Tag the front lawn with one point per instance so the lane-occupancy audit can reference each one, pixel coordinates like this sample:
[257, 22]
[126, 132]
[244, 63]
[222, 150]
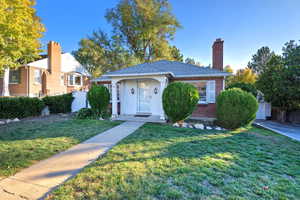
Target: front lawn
[24, 143]
[162, 162]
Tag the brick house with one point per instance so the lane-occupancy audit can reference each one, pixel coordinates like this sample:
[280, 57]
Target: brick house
[53, 74]
[137, 90]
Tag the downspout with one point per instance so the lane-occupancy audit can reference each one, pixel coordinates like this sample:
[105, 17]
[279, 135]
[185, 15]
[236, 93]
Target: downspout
[28, 81]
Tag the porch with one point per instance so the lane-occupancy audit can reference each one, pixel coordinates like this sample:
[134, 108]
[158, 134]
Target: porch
[138, 98]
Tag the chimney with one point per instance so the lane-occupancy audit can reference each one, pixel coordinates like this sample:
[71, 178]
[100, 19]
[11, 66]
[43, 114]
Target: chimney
[217, 54]
[54, 57]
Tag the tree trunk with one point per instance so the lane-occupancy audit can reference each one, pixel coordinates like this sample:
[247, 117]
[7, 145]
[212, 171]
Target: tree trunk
[281, 116]
[5, 89]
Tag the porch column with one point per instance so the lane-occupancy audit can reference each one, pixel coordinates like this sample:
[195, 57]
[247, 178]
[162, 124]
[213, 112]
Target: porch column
[163, 85]
[114, 100]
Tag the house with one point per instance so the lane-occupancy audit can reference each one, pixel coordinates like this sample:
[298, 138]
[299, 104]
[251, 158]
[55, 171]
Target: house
[138, 90]
[53, 74]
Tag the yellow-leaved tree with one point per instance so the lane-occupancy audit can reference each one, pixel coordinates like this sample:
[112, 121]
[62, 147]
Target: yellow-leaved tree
[244, 75]
[20, 31]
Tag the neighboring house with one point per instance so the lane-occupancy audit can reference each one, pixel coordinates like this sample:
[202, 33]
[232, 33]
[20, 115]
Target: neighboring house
[137, 90]
[53, 74]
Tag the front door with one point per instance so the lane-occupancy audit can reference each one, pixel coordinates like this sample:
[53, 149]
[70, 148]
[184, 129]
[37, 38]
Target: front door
[144, 97]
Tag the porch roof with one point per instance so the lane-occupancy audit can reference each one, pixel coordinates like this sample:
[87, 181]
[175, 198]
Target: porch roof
[164, 67]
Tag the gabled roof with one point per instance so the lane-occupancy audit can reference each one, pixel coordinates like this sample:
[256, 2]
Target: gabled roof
[68, 64]
[175, 69]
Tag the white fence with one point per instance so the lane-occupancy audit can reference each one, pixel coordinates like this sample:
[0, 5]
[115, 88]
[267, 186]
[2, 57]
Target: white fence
[80, 101]
[264, 110]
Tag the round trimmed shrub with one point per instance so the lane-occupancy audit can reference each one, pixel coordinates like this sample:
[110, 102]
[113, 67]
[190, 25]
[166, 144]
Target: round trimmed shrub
[235, 108]
[244, 86]
[179, 100]
[98, 97]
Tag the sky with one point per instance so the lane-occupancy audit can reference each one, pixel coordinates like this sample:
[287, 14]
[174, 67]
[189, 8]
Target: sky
[244, 25]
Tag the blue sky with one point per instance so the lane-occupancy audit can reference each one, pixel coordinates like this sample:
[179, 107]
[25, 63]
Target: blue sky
[245, 25]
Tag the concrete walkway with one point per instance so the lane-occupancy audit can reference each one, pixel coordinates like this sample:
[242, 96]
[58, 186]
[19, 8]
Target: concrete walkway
[289, 130]
[36, 181]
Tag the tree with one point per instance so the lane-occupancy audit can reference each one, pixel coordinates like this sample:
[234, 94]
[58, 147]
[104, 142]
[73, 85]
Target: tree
[100, 53]
[228, 69]
[190, 61]
[146, 26]
[245, 76]
[280, 85]
[20, 30]
[228, 79]
[291, 53]
[176, 54]
[259, 60]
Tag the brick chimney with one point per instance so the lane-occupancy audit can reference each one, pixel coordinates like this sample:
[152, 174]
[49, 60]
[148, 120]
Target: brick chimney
[54, 57]
[217, 54]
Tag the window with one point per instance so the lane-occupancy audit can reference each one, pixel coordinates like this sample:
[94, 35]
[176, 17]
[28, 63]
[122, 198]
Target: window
[38, 76]
[202, 88]
[14, 76]
[75, 80]
[62, 79]
[110, 90]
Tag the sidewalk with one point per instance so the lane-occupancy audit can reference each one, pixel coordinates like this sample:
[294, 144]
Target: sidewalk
[36, 181]
[288, 130]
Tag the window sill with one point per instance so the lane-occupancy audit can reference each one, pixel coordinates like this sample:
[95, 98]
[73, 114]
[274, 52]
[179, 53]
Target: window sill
[13, 83]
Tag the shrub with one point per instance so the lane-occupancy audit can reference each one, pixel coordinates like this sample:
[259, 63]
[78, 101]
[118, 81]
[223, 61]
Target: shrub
[20, 107]
[179, 100]
[98, 97]
[236, 108]
[244, 86]
[59, 103]
[86, 113]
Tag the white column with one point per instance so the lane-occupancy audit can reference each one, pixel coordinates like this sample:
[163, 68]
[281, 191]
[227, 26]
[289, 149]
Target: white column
[114, 100]
[5, 89]
[163, 85]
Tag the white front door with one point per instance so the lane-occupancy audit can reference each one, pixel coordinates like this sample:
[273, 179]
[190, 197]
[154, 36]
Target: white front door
[144, 97]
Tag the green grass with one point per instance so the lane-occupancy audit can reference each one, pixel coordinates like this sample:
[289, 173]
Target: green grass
[162, 162]
[22, 144]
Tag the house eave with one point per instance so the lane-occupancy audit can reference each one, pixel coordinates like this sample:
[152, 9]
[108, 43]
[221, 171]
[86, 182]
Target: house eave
[202, 75]
[139, 74]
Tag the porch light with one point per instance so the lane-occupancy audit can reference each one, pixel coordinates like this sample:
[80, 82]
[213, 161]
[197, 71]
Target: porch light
[132, 90]
[155, 90]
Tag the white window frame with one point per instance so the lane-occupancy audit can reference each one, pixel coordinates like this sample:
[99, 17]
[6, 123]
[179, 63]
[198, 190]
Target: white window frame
[37, 76]
[108, 86]
[74, 76]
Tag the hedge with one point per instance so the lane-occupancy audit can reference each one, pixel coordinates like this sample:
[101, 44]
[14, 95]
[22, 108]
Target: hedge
[59, 103]
[236, 108]
[179, 100]
[20, 107]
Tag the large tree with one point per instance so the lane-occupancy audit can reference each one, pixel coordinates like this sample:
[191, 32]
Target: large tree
[291, 53]
[260, 59]
[176, 54]
[280, 84]
[100, 53]
[20, 30]
[146, 26]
